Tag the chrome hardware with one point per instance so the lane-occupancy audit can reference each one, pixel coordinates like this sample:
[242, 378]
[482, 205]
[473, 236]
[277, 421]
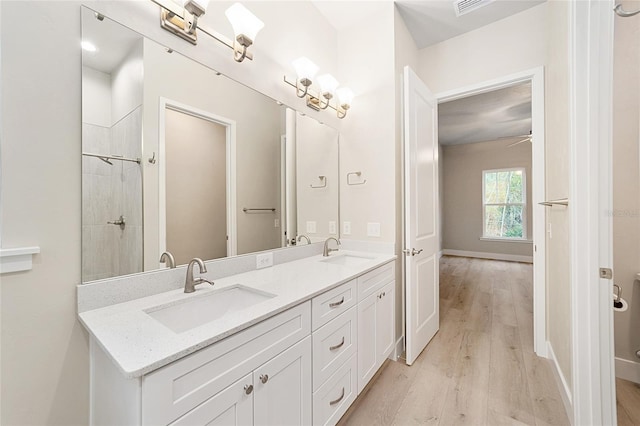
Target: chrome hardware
[266, 209]
[190, 283]
[120, 222]
[335, 401]
[327, 250]
[168, 258]
[384, 293]
[300, 237]
[336, 304]
[606, 273]
[264, 378]
[152, 160]
[412, 252]
[338, 346]
[248, 389]
[359, 175]
[323, 180]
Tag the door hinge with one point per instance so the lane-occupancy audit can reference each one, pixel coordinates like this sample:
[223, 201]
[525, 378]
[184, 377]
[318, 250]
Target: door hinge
[606, 273]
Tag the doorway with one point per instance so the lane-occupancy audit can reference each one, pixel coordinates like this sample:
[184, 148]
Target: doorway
[201, 144]
[534, 77]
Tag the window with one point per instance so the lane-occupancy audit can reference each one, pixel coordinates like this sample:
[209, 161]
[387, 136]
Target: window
[504, 203]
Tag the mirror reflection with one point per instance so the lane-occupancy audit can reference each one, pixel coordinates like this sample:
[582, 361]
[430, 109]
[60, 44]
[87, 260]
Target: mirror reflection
[178, 158]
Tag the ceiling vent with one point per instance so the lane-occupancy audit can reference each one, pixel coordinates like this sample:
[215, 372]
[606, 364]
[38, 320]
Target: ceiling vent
[462, 7]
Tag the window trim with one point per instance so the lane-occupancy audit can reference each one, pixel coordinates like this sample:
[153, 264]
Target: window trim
[523, 204]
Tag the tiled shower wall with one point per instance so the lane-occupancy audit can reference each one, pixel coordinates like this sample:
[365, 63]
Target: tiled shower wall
[109, 191]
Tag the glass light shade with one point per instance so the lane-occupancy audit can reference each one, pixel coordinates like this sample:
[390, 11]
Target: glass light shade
[243, 21]
[88, 46]
[345, 96]
[328, 84]
[305, 68]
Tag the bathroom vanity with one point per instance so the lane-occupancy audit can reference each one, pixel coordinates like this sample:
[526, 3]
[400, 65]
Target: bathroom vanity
[296, 346]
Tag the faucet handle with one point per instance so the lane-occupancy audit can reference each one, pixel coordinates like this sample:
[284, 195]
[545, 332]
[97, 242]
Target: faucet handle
[201, 280]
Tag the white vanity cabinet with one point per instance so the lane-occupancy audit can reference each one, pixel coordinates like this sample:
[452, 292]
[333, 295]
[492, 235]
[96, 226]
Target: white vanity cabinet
[305, 365]
[376, 321]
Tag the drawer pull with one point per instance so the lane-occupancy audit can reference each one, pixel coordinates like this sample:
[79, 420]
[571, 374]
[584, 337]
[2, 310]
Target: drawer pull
[264, 378]
[336, 304]
[338, 346]
[335, 401]
[248, 389]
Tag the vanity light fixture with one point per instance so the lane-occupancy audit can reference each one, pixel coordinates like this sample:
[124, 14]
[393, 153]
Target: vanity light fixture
[181, 19]
[345, 99]
[328, 88]
[306, 72]
[185, 26]
[245, 27]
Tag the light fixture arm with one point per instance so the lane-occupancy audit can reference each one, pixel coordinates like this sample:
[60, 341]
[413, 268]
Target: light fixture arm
[302, 92]
[327, 96]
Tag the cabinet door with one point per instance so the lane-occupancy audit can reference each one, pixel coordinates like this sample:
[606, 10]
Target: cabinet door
[385, 323]
[283, 388]
[367, 324]
[232, 406]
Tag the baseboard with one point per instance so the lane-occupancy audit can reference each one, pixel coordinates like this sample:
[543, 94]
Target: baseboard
[565, 391]
[628, 370]
[399, 349]
[492, 256]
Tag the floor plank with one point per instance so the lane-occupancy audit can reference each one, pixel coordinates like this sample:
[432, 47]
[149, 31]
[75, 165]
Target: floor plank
[480, 367]
[628, 402]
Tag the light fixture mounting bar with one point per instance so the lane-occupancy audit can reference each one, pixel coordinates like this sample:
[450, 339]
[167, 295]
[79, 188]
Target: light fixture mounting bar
[174, 9]
[313, 101]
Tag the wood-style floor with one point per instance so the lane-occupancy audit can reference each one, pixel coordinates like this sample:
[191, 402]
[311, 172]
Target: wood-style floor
[480, 368]
[628, 402]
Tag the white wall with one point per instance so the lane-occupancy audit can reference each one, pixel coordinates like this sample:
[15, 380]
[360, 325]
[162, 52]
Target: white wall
[316, 155]
[462, 202]
[626, 182]
[96, 97]
[126, 83]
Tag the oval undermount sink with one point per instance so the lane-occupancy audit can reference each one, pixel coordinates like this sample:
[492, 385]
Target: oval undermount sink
[347, 259]
[196, 311]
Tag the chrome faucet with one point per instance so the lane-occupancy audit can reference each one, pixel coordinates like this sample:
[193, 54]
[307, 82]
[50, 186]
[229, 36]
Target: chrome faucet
[168, 259]
[301, 236]
[190, 283]
[328, 250]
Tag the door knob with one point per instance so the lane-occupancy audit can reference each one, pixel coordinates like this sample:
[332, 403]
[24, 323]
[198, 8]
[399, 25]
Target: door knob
[412, 252]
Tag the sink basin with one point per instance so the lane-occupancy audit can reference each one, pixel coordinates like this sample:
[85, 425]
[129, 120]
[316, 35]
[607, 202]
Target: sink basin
[194, 312]
[347, 259]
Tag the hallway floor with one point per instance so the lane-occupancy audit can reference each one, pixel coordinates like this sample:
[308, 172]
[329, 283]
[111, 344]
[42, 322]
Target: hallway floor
[480, 368]
[628, 402]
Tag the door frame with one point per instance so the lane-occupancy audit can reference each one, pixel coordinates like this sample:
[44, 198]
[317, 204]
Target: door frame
[591, 41]
[230, 126]
[536, 77]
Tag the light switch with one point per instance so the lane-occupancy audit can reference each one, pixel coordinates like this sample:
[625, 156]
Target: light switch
[332, 227]
[373, 229]
[311, 227]
[346, 228]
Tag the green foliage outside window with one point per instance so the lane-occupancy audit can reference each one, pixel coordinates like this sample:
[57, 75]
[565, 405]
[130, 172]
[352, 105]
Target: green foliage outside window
[504, 204]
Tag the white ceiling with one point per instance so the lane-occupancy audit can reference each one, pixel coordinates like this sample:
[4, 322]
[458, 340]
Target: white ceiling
[113, 41]
[503, 113]
[433, 21]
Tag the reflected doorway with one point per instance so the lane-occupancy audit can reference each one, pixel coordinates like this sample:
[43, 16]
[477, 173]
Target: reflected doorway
[197, 162]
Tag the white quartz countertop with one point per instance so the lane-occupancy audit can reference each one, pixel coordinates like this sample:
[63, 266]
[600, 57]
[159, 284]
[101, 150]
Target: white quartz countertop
[139, 344]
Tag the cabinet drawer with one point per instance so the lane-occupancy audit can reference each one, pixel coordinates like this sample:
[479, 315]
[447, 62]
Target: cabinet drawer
[333, 344]
[175, 389]
[332, 400]
[373, 280]
[329, 305]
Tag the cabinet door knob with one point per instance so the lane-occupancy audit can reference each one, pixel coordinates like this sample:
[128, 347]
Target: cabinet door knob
[264, 378]
[248, 389]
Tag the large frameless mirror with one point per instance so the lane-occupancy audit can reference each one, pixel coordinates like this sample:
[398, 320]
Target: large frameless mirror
[178, 158]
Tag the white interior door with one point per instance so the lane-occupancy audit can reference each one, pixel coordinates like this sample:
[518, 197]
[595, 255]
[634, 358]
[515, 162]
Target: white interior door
[421, 215]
